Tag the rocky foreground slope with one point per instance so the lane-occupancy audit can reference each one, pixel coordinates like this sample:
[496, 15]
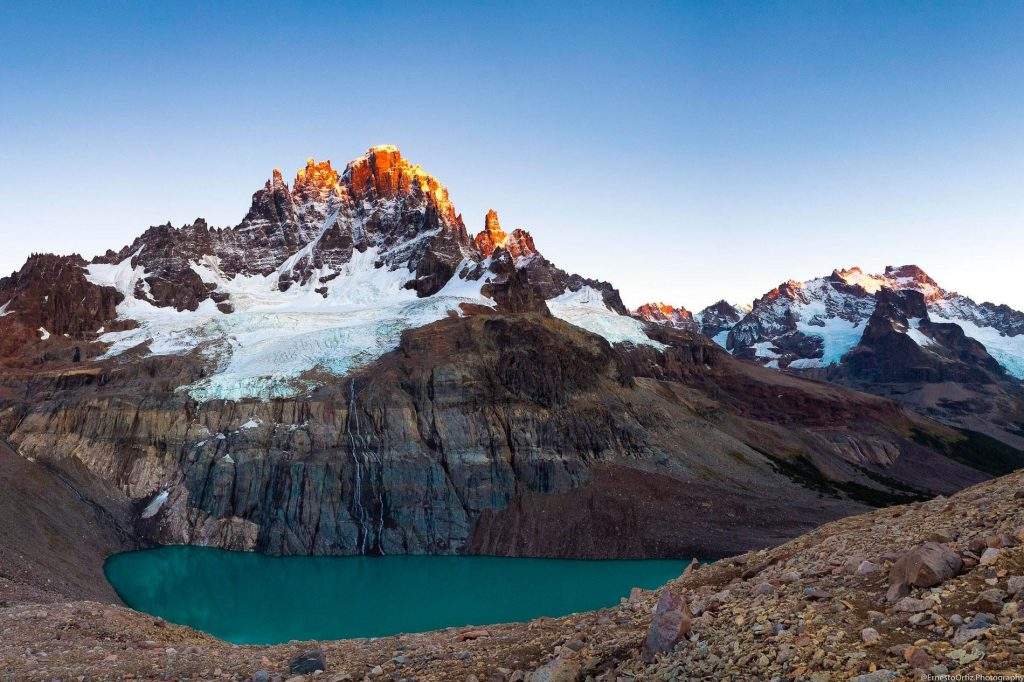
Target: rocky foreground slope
[922, 589]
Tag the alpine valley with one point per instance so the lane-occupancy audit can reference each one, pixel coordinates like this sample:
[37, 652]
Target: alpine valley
[352, 370]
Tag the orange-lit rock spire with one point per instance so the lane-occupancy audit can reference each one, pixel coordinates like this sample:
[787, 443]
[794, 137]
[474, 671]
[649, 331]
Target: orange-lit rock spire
[316, 181]
[382, 172]
[518, 244]
[662, 312]
[492, 236]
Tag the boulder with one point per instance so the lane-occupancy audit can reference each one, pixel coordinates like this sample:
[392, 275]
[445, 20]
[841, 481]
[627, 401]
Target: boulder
[308, 662]
[672, 621]
[928, 565]
[989, 556]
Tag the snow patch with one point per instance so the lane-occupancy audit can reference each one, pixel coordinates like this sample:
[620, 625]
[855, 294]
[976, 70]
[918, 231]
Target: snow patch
[43, 334]
[1008, 351]
[155, 504]
[838, 337]
[586, 308]
[251, 424]
[764, 349]
[273, 337]
[919, 337]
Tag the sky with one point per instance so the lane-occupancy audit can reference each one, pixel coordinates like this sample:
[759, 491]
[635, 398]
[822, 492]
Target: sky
[686, 151]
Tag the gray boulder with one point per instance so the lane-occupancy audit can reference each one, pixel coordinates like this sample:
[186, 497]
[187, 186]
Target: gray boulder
[925, 566]
[671, 623]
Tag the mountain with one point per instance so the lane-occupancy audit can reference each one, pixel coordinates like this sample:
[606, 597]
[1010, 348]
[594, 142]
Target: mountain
[898, 334]
[715, 321]
[349, 371]
[815, 323]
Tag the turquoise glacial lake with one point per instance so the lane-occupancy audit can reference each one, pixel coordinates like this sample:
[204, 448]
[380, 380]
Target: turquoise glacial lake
[249, 598]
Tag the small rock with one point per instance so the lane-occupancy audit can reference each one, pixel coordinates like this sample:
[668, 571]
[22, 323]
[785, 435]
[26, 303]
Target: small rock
[559, 669]
[308, 662]
[815, 594]
[877, 676]
[917, 657]
[869, 636]
[911, 605]
[261, 676]
[990, 600]
[790, 577]
[376, 670]
[764, 589]
[474, 634]
[989, 556]
[1015, 584]
[867, 568]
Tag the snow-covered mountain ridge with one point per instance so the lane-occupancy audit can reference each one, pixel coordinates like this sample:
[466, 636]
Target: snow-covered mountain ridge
[320, 276]
[818, 322]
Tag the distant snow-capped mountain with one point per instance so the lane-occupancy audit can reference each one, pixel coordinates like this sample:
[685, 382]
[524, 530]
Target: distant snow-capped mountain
[816, 323]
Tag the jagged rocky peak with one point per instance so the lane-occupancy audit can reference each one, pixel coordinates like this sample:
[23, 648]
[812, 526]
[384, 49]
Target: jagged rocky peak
[492, 236]
[664, 313]
[714, 321]
[913, 277]
[518, 243]
[790, 289]
[316, 182]
[383, 173]
[718, 318]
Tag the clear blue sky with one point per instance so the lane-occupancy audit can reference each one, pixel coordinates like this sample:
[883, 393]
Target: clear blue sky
[686, 151]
